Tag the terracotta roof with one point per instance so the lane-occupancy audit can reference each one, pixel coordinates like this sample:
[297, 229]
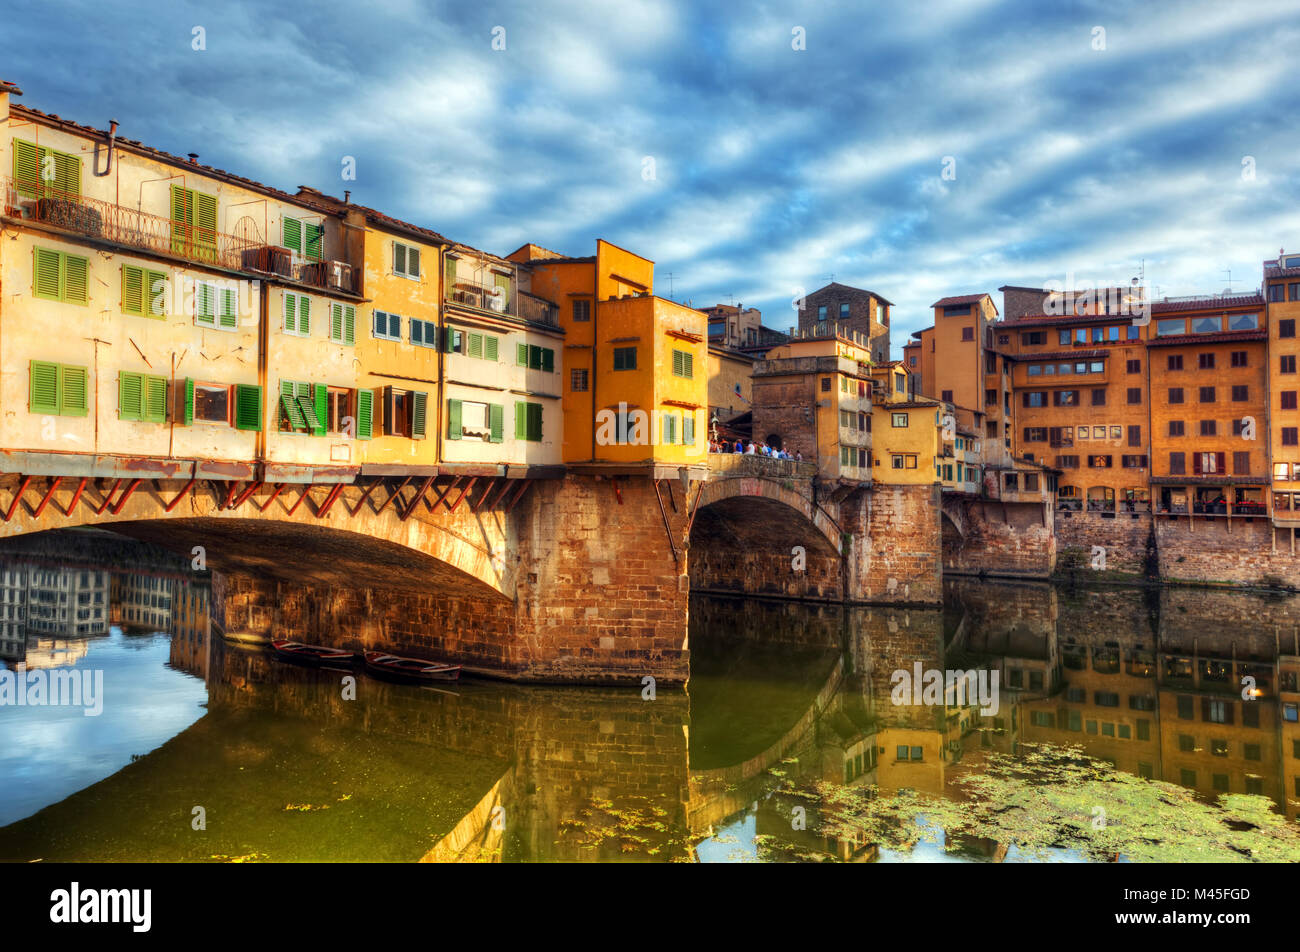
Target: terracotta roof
[848, 287]
[959, 299]
[1209, 302]
[1219, 338]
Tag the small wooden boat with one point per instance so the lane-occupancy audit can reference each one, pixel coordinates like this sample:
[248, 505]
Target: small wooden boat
[311, 654]
[246, 638]
[415, 669]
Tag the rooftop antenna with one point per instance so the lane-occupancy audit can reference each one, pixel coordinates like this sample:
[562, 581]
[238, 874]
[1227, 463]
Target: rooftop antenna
[670, 286]
[1228, 272]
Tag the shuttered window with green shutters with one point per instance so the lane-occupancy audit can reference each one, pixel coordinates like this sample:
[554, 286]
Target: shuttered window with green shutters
[475, 344]
[419, 414]
[144, 292]
[194, 223]
[248, 407]
[40, 171]
[490, 345]
[453, 420]
[297, 314]
[60, 389]
[683, 364]
[497, 422]
[205, 304]
[528, 421]
[449, 277]
[141, 397]
[688, 428]
[59, 276]
[302, 238]
[227, 314]
[298, 407]
[406, 260]
[343, 323]
[668, 428]
[521, 355]
[534, 357]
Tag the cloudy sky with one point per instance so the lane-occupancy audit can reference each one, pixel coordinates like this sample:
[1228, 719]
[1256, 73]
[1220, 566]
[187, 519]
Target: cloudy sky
[917, 149]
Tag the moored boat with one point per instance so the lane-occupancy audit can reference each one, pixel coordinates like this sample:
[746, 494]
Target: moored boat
[414, 669]
[311, 654]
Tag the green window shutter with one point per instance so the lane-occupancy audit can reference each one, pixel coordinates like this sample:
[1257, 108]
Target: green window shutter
[677, 363]
[349, 324]
[304, 315]
[227, 316]
[182, 216]
[155, 399]
[311, 422]
[688, 361]
[399, 257]
[248, 407]
[497, 422]
[534, 357]
[74, 391]
[289, 405]
[76, 279]
[205, 224]
[132, 290]
[688, 429]
[27, 167]
[314, 242]
[548, 359]
[413, 262]
[291, 234]
[155, 294]
[130, 396]
[535, 422]
[521, 355]
[67, 174]
[188, 417]
[450, 279]
[503, 285]
[475, 345]
[44, 387]
[490, 348]
[365, 414]
[521, 420]
[453, 419]
[321, 400]
[46, 274]
[670, 428]
[336, 321]
[419, 413]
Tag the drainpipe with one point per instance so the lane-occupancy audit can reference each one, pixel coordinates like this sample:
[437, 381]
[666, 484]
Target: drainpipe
[263, 343]
[442, 346]
[112, 143]
[595, 342]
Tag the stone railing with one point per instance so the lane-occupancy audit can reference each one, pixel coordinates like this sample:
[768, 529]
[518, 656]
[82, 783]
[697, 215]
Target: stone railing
[753, 464]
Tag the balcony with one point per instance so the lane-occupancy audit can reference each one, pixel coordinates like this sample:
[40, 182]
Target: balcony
[496, 300]
[120, 225]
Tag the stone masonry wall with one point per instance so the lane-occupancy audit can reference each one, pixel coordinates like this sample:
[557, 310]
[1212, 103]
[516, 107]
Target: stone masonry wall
[894, 555]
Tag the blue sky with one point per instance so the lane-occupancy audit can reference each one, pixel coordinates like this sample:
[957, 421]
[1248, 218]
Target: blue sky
[773, 168]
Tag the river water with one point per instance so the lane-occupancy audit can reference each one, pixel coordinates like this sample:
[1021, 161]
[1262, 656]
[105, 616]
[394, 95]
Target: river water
[1129, 724]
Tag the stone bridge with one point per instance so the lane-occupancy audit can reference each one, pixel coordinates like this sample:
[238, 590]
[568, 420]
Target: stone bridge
[518, 572]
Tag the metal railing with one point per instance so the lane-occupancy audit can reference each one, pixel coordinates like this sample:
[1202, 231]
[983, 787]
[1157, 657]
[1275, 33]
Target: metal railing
[95, 218]
[499, 301]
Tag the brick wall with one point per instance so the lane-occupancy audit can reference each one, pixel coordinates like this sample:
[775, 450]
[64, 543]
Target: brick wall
[894, 556]
[999, 539]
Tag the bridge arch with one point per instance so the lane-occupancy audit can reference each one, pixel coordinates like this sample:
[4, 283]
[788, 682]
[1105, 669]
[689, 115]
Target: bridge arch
[748, 499]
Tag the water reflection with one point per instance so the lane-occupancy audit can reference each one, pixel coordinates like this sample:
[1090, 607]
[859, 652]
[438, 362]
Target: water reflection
[297, 764]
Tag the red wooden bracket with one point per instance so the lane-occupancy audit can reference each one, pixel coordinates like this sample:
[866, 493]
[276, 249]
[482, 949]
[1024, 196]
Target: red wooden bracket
[461, 497]
[393, 495]
[76, 497]
[352, 511]
[49, 493]
[305, 493]
[126, 494]
[13, 506]
[243, 497]
[325, 507]
[279, 488]
[109, 498]
[415, 500]
[180, 495]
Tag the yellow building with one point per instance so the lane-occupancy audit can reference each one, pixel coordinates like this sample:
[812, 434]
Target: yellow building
[731, 376]
[636, 393]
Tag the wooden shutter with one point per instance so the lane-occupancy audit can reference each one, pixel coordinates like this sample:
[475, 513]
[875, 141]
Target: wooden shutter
[205, 224]
[304, 315]
[248, 407]
[76, 279]
[227, 317]
[46, 271]
[27, 167]
[1196, 464]
[182, 216]
[155, 294]
[688, 428]
[399, 257]
[688, 364]
[155, 399]
[450, 279]
[289, 406]
[496, 421]
[67, 174]
[548, 359]
[74, 393]
[387, 403]
[321, 399]
[521, 355]
[1219, 462]
[521, 420]
[132, 290]
[290, 312]
[291, 232]
[130, 396]
[187, 411]
[413, 262]
[535, 421]
[490, 348]
[336, 321]
[678, 363]
[350, 324]
[43, 391]
[534, 357]
[475, 345]
[365, 414]
[314, 243]
[453, 420]
[419, 413]
[503, 286]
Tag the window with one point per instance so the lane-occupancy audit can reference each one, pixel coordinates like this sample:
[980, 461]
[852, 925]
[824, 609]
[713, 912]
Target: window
[1099, 398]
[898, 419]
[1034, 398]
[248, 409]
[297, 314]
[473, 344]
[821, 312]
[1135, 435]
[338, 407]
[59, 389]
[968, 333]
[528, 421]
[844, 311]
[1289, 436]
[211, 402]
[1035, 434]
[304, 239]
[1207, 395]
[387, 326]
[625, 359]
[141, 397]
[683, 364]
[578, 379]
[194, 224]
[1133, 462]
[1243, 322]
[40, 170]
[1209, 428]
[299, 406]
[1065, 398]
[543, 358]
[1175, 362]
[425, 333]
[1241, 463]
[1208, 463]
[1240, 358]
[144, 292]
[59, 276]
[468, 420]
[406, 260]
[946, 396]
[1177, 464]
[581, 310]
[405, 412]
[1134, 366]
[1240, 393]
[1286, 328]
[343, 323]
[1288, 399]
[1027, 338]
[1286, 364]
[1205, 361]
[1206, 325]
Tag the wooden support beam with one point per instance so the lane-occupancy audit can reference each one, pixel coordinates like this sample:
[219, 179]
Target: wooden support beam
[352, 511]
[76, 497]
[279, 488]
[444, 494]
[464, 493]
[668, 530]
[305, 493]
[500, 493]
[107, 499]
[424, 488]
[243, 497]
[126, 494]
[323, 510]
[13, 506]
[518, 494]
[180, 495]
[45, 501]
[230, 495]
[393, 495]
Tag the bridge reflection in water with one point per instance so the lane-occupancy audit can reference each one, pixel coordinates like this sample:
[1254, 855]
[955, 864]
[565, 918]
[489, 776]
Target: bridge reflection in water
[286, 767]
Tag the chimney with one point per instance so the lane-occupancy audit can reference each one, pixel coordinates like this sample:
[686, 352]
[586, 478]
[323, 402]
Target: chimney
[7, 89]
[194, 158]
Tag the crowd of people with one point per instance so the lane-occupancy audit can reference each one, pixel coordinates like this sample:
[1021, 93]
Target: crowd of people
[750, 448]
